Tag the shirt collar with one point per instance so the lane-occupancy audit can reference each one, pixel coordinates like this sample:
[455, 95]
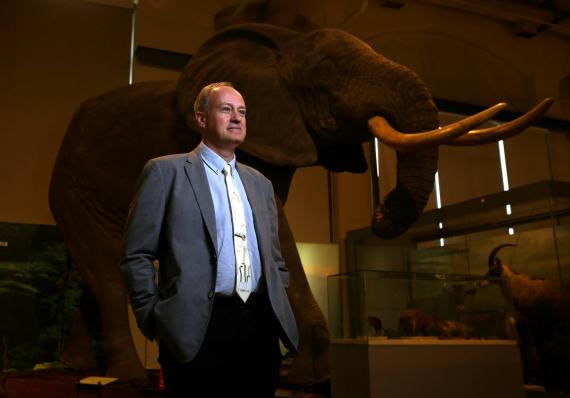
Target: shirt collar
[214, 161]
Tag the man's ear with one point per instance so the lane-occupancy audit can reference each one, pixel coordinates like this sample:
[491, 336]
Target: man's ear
[200, 119]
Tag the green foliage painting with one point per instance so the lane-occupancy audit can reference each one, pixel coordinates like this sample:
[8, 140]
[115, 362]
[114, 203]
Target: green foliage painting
[39, 295]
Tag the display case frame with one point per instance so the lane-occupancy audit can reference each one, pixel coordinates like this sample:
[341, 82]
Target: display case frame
[432, 362]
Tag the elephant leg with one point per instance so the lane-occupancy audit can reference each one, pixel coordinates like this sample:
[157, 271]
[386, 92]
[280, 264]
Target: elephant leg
[95, 246]
[77, 352]
[311, 364]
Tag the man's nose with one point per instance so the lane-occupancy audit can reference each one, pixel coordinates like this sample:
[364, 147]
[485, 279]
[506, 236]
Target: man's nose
[237, 116]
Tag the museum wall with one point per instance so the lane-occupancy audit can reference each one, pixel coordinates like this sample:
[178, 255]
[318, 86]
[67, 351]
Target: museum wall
[56, 53]
[57, 59]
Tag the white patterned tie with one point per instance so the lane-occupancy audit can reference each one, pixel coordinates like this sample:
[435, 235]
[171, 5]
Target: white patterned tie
[243, 265]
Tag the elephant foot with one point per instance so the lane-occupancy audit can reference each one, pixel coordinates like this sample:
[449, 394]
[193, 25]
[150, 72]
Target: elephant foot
[130, 371]
[77, 353]
[124, 363]
[311, 365]
[78, 358]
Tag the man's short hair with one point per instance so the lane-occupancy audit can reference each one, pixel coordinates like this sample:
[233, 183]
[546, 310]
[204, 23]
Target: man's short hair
[201, 103]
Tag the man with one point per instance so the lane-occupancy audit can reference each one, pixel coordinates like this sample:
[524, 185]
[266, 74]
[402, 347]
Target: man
[220, 306]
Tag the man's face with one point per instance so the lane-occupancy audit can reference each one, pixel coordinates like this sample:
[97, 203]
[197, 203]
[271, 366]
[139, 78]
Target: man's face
[224, 121]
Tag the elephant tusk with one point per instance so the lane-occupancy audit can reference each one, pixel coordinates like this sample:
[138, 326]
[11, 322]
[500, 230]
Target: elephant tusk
[502, 131]
[381, 129]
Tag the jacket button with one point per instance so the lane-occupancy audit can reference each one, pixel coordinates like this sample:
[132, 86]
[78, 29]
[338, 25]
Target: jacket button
[210, 294]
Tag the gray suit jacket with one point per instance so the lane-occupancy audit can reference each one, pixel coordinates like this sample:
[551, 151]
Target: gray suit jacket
[172, 219]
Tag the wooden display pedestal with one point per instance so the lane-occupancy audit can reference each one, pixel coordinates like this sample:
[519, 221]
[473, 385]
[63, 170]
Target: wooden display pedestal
[411, 368]
[62, 383]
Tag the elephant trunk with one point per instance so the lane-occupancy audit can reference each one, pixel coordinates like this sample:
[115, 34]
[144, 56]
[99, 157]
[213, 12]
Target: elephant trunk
[417, 161]
[415, 172]
[418, 155]
[403, 205]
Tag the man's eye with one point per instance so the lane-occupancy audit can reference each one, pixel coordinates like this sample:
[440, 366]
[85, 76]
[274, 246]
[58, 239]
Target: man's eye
[242, 112]
[226, 109]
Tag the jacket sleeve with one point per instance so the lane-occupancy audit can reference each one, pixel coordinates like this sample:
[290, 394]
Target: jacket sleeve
[275, 245]
[141, 245]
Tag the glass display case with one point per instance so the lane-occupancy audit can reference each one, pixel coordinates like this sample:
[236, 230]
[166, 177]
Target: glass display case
[412, 305]
[409, 334]
[458, 239]
[427, 284]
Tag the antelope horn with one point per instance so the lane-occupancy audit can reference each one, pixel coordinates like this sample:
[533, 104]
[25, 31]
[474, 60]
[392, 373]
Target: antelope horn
[502, 131]
[492, 256]
[381, 129]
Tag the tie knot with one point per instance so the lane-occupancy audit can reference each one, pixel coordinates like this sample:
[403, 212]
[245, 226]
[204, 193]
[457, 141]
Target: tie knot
[227, 170]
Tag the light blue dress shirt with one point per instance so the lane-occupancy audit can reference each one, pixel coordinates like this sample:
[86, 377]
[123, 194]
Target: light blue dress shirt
[226, 271]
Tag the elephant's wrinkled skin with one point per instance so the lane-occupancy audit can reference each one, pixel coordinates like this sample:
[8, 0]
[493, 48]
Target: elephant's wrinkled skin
[309, 98]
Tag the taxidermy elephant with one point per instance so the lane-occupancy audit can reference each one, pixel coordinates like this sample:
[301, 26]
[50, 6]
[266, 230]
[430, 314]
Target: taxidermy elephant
[312, 100]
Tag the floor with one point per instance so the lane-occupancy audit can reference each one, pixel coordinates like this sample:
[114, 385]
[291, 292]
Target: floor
[58, 383]
[63, 384]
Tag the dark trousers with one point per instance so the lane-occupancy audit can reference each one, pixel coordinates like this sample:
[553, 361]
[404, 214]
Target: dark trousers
[239, 357]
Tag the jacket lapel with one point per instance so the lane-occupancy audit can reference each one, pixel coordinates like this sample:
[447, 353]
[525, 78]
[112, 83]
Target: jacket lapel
[197, 175]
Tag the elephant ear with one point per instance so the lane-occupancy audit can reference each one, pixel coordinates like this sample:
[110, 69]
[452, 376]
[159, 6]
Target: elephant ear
[250, 57]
